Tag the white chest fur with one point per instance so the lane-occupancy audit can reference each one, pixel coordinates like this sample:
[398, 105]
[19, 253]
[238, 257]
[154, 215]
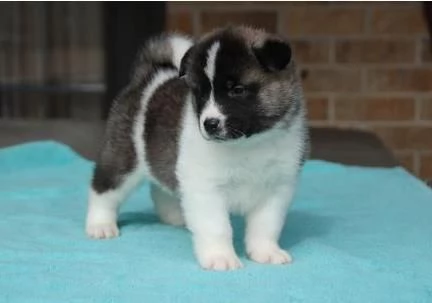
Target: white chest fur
[243, 173]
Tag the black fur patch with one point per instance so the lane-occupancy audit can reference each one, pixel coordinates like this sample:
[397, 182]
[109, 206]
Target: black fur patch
[117, 156]
[162, 129]
[192, 70]
[273, 55]
[184, 62]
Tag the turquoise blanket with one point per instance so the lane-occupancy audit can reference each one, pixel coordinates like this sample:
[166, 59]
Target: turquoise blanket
[356, 235]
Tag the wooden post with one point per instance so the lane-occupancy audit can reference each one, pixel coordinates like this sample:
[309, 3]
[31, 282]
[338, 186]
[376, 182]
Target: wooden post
[127, 25]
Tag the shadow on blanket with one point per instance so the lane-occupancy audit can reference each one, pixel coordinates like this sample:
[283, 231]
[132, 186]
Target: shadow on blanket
[299, 227]
[137, 218]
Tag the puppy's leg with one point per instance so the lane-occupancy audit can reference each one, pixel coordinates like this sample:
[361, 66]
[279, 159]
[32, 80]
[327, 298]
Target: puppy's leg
[208, 219]
[110, 187]
[264, 225]
[167, 207]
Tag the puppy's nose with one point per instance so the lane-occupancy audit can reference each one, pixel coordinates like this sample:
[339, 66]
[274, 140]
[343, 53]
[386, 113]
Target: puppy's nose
[212, 125]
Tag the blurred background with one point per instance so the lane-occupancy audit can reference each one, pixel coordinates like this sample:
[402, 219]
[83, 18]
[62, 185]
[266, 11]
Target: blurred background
[366, 65]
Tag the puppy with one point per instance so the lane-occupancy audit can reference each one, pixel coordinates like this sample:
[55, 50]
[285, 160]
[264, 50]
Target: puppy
[217, 127]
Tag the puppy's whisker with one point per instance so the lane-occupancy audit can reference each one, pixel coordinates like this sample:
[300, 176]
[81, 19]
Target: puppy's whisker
[236, 131]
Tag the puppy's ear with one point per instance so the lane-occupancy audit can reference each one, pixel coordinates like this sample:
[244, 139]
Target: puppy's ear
[273, 55]
[184, 62]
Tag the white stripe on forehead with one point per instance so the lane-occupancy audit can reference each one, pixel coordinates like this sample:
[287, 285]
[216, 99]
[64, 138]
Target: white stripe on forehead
[211, 61]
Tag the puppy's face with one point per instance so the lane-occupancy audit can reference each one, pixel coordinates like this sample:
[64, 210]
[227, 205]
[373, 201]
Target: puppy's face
[242, 81]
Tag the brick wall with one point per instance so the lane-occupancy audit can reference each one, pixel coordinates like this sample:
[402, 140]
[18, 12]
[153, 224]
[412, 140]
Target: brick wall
[369, 65]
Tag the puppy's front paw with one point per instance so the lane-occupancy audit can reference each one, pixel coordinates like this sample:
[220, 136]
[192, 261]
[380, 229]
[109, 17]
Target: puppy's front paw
[217, 257]
[102, 230]
[269, 254]
[220, 261]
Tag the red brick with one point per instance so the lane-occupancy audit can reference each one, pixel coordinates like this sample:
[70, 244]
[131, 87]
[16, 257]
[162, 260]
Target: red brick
[230, 5]
[406, 137]
[374, 108]
[426, 50]
[426, 166]
[375, 51]
[397, 19]
[323, 20]
[181, 22]
[317, 108]
[400, 79]
[426, 109]
[332, 80]
[214, 19]
[310, 51]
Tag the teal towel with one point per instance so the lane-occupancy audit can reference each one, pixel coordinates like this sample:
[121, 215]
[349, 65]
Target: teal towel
[356, 235]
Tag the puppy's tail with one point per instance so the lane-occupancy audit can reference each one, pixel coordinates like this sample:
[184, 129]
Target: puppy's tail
[166, 50]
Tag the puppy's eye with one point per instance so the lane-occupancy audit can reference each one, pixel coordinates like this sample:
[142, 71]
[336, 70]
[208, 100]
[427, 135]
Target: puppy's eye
[237, 91]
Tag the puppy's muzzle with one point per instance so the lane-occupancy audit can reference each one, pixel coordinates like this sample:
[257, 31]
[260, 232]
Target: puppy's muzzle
[213, 127]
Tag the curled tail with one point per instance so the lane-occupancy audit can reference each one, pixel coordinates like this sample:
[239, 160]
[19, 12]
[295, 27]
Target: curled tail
[165, 50]
[179, 45]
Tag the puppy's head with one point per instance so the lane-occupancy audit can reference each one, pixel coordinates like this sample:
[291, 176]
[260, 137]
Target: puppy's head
[243, 82]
